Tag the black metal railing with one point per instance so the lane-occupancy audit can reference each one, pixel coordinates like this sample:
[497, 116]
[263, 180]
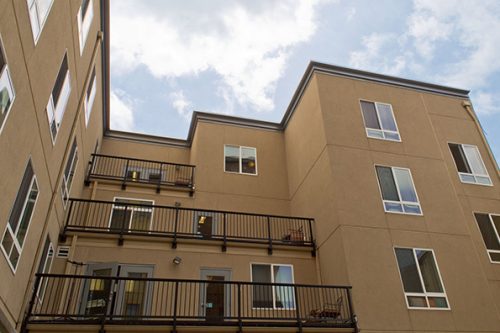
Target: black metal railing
[80, 299]
[137, 171]
[126, 217]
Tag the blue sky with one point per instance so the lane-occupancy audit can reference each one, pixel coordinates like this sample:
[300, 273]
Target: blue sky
[245, 58]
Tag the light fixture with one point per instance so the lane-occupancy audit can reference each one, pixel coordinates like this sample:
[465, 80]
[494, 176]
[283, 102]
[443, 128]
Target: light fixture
[177, 260]
[177, 204]
[202, 219]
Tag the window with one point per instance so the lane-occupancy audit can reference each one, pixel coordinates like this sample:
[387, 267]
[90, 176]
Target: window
[240, 159]
[59, 98]
[84, 19]
[89, 97]
[379, 121]
[44, 266]
[20, 217]
[7, 93]
[398, 191]
[267, 295]
[131, 215]
[421, 279]
[489, 225]
[469, 163]
[69, 173]
[38, 10]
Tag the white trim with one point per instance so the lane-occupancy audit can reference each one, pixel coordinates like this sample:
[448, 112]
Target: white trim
[84, 22]
[6, 71]
[39, 23]
[497, 233]
[65, 190]
[381, 130]
[401, 202]
[240, 170]
[472, 174]
[425, 294]
[132, 209]
[272, 281]
[13, 235]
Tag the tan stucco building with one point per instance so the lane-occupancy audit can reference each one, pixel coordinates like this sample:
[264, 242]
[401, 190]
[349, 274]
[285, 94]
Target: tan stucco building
[373, 206]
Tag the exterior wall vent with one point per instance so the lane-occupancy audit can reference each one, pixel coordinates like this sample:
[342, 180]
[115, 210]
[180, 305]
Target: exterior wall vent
[63, 252]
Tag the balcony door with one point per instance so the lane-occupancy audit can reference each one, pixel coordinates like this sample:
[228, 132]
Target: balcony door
[215, 296]
[205, 224]
[123, 298]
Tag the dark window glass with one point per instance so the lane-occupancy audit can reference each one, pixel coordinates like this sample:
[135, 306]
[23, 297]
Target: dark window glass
[56, 92]
[91, 83]
[387, 184]
[408, 270]
[429, 271]
[487, 231]
[262, 294]
[85, 5]
[248, 164]
[370, 115]
[232, 158]
[69, 163]
[2, 59]
[17, 209]
[459, 157]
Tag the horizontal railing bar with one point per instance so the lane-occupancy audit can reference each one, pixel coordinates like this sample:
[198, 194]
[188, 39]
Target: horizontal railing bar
[203, 210]
[143, 160]
[114, 278]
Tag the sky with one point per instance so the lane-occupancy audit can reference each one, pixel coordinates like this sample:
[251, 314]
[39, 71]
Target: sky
[246, 58]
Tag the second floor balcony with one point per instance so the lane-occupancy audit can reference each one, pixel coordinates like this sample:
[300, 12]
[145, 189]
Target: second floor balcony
[126, 171]
[150, 303]
[126, 218]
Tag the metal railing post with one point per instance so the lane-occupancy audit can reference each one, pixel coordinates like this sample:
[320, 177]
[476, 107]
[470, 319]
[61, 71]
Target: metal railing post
[297, 308]
[351, 312]
[311, 237]
[124, 183]
[191, 184]
[174, 242]
[122, 227]
[240, 322]
[89, 172]
[158, 187]
[176, 298]
[224, 245]
[270, 248]
[29, 312]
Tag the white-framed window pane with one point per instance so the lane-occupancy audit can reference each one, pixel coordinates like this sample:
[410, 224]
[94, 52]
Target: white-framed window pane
[475, 161]
[232, 158]
[128, 215]
[248, 160]
[7, 92]
[284, 295]
[386, 117]
[262, 294]
[27, 213]
[429, 272]
[409, 271]
[405, 185]
[370, 115]
[91, 92]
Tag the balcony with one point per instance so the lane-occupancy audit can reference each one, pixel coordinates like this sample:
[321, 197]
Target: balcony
[125, 218]
[105, 301]
[135, 171]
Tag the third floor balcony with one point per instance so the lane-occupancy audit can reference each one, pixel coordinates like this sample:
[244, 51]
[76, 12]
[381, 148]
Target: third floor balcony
[126, 218]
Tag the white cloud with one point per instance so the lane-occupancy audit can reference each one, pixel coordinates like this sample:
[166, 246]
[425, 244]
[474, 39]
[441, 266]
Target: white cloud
[486, 103]
[181, 104]
[121, 116]
[351, 12]
[378, 54]
[247, 45]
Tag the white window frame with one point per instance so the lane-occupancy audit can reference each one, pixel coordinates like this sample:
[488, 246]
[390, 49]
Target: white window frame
[43, 284]
[73, 162]
[381, 131]
[425, 294]
[13, 233]
[37, 21]
[84, 21]
[497, 234]
[57, 111]
[272, 281]
[240, 171]
[132, 209]
[89, 99]
[401, 202]
[6, 80]
[472, 174]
